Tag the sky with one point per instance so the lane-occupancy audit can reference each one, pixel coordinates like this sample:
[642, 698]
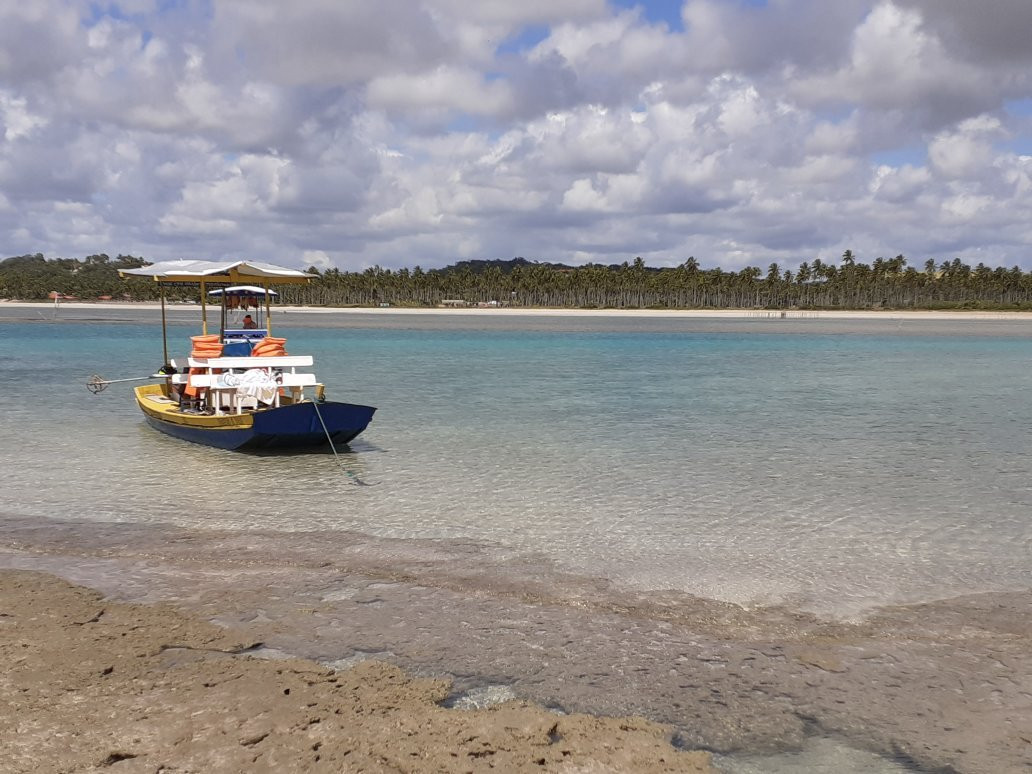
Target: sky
[398, 133]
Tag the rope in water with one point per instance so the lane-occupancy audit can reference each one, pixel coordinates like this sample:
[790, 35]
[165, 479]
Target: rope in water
[333, 448]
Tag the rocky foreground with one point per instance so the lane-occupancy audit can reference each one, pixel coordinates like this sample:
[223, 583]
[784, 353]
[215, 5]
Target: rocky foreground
[940, 686]
[90, 684]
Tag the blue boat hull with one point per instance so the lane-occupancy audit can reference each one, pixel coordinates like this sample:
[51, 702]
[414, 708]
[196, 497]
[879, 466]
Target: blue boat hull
[288, 427]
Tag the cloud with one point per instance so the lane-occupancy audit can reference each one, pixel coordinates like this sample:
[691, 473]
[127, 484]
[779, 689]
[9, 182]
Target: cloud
[422, 132]
[896, 63]
[15, 118]
[967, 150]
[996, 33]
[38, 39]
[443, 90]
[325, 42]
[757, 39]
[614, 57]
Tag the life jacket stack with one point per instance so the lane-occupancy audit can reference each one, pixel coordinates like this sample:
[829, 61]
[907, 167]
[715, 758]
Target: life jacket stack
[269, 346]
[207, 346]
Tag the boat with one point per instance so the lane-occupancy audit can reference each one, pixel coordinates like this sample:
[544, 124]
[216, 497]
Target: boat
[239, 389]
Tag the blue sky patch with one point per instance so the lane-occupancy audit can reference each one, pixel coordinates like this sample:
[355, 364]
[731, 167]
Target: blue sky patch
[525, 40]
[669, 11]
[1020, 113]
[1019, 107]
[656, 11]
[914, 155]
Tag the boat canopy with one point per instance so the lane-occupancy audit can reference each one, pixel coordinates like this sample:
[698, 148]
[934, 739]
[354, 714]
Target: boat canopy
[219, 271]
[242, 290]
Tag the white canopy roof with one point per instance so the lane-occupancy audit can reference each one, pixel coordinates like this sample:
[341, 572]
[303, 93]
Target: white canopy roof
[242, 290]
[217, 271]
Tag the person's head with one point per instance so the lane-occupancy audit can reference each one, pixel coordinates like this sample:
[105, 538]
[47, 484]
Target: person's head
[247, 318]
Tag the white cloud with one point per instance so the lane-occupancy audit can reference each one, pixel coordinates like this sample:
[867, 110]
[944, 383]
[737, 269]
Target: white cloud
[964, 207]
[447, 89]
[831, 137]
[320, 259]
[37, 39]
[402, 133]
[613, 57]
[899, 184]
[15, 118]
[741, 114]
[895, 62]
[582, 196]
[815, 170]
[524, 12]
[966, 151]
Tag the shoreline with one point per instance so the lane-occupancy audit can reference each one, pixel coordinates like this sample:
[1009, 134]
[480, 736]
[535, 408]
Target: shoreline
[762, 314]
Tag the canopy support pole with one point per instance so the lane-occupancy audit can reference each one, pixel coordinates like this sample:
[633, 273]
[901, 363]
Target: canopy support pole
[222, 319]
[204, 310]
[164, 326]
[268, 309]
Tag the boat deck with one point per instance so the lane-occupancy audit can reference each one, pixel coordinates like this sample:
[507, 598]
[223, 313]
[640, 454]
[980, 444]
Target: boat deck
[154, 401]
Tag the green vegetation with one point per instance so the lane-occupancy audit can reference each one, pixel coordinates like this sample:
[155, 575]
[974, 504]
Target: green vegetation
[33, 278]
[884, 284]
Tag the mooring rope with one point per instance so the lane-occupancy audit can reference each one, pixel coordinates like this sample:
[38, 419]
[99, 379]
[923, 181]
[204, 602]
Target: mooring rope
[333, 448]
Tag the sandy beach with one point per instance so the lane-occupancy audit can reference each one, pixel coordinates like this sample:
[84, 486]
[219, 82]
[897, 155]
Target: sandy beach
[963, 323]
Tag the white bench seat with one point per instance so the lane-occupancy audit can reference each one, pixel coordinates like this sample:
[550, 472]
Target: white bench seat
[286, 361]
[228, 395]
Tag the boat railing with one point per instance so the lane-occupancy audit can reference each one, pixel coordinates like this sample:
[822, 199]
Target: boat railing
[224, 378]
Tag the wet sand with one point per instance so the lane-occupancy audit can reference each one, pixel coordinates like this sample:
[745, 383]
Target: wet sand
[942, 686]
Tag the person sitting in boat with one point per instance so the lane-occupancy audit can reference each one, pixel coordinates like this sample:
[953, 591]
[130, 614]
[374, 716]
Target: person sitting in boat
[249, 324]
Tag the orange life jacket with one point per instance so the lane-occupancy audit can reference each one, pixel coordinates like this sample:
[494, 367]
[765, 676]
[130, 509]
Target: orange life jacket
[205, 347]
[270, 346]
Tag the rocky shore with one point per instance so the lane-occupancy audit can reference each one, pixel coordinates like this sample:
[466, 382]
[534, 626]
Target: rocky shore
[90, 684]
[940, 687]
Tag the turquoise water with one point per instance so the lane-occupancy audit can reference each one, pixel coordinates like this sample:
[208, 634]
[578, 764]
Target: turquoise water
[830, 470]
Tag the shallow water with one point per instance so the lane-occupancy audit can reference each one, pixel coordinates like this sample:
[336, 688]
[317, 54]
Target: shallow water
[829, 467]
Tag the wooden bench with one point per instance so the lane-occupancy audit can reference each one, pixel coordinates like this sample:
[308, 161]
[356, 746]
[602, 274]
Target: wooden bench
[283, 368]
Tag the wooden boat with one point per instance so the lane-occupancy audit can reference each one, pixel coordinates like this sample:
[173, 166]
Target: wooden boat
[239, 389]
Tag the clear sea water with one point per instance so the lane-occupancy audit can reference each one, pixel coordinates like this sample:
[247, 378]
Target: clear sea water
[829, 467]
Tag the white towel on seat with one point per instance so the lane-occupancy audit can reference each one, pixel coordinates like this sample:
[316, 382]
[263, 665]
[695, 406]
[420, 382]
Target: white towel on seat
[253, 383]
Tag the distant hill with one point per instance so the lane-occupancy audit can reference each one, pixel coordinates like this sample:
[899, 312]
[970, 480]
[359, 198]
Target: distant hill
[480, 265]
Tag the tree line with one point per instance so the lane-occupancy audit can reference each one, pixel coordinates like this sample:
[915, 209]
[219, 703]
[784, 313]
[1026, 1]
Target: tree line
[34, 278]
[848, 284]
